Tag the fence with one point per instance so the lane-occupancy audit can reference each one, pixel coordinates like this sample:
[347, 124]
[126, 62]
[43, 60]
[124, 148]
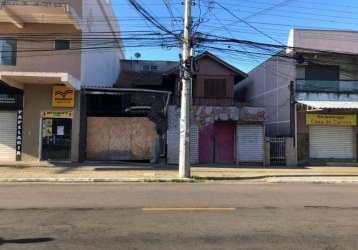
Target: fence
[277, 151]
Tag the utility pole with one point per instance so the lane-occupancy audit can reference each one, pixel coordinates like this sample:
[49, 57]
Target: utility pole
[184, 146]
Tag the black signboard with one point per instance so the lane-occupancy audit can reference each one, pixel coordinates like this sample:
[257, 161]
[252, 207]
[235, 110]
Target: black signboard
[20, 120]
[10, 98]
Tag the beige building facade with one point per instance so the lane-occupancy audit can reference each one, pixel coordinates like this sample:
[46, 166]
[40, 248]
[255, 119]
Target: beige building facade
[47, 55]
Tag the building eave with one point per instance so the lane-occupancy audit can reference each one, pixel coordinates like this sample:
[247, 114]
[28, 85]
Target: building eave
[21, 12]
[19, 79]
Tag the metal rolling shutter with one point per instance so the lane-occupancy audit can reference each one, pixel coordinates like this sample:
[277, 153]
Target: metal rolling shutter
[173, 146]
[8, 136]
[173, 138]
[250, 140]
[331, 142]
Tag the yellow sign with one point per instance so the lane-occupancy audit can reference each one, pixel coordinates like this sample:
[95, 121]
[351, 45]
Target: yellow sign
[57, 114]
[63, 97]
[335, 120]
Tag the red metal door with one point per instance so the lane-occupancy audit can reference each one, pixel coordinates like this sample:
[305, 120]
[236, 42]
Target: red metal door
[224, 141]
[206, 144]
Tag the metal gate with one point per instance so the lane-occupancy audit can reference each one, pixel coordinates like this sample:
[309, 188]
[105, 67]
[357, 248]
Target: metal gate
[277, 151]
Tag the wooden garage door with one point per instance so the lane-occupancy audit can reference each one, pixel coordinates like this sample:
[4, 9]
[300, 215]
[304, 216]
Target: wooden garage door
[206, 144]
[224, 143]
[217, 143]
[120, 138]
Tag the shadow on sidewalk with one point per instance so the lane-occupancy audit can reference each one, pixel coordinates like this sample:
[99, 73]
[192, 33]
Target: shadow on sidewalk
[248, 166]
[261, 177]
[25, 241]
[116, 166]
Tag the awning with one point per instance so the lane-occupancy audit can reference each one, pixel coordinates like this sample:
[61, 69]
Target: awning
[330, 104]
[18, 79]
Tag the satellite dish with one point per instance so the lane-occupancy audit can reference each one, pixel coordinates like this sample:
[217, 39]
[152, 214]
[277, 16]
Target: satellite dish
[137, 55]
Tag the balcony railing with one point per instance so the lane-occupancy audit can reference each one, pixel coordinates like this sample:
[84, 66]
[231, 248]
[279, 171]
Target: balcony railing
[317, 86]
[205, 101]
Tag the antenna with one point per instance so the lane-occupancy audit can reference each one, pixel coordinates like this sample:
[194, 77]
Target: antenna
[137, 55]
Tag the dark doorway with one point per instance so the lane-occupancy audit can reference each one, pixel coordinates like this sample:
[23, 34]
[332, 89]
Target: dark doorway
[56, 139]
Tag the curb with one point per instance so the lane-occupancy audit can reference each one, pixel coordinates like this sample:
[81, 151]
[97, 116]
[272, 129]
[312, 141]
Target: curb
[92, 180]
[194, 179]
[312, 181]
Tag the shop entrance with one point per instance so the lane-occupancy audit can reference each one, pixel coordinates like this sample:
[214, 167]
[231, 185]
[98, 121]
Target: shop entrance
[56, 139]
[332, 142]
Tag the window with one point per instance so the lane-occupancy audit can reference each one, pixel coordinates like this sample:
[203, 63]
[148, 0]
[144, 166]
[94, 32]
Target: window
[62, 44]
[148, 68]
[322, 72]
[215, 88]
[8, 52]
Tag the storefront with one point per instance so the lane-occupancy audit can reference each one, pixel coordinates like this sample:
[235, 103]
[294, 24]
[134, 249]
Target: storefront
[56, 135]
[123, 124]
[51, 123]
[220, 135]
[332, 136]
[10, 123]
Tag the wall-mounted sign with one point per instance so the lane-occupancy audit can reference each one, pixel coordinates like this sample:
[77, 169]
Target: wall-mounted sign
[63, 97]
[60, 130]
[10, 101]
[251, 114]
[57, 114]
[20, 119]
[7, 99]
[334, 120]
[10, 98]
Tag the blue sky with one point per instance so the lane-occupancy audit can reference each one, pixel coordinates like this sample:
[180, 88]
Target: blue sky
[273, 17]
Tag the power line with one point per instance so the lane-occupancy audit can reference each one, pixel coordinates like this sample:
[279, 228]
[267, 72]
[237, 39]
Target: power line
[250, 25]
[170, 11]
[280, 4]
[150, 18]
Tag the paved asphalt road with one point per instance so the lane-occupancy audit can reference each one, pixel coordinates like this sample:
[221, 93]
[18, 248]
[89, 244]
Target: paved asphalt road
[111, 216]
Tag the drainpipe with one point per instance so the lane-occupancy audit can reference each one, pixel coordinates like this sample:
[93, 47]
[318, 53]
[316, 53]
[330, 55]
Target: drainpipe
[294, 117]
[296, 133]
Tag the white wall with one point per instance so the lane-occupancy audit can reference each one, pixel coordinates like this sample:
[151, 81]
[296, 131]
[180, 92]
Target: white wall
[100, 67]
[327, 40]
[270, 88]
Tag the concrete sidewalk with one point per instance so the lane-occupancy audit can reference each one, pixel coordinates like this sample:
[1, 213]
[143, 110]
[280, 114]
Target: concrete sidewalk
[44, 172]
[311, 174]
